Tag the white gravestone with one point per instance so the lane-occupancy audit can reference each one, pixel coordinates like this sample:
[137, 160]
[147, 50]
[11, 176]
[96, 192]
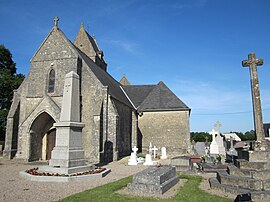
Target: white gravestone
[163, 153]
[155, 151]
[148, 160]
[150, 148]
[133, 157]
[214, 145]
[219, 140]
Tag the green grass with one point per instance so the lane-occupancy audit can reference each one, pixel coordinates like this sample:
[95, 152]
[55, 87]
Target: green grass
[189, 192]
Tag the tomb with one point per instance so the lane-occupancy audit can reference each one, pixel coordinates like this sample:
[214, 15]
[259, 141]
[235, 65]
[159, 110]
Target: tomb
[154, 180]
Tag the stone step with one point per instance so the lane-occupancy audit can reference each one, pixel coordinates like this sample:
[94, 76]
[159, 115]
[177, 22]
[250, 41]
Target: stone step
[259, 175]
[259, 156]
[255, 195]
[233, 170]
[242, 181]
[244, 164]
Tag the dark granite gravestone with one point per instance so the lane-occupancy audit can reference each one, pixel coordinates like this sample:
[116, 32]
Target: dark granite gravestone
[154, 180]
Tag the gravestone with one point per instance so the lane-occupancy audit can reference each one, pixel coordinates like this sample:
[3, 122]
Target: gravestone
[232, 153]
[150, 148]
[148, 160]
[154, 149]
[214, 145]
[201, 148]
[154, 180]
[163, 153]
[133, 157]
[181, 163]
[219, 140]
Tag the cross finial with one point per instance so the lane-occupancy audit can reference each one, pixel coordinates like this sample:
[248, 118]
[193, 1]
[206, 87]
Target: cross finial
[56, 19]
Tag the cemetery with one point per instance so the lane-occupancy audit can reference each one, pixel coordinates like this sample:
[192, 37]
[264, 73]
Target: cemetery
[75, 133]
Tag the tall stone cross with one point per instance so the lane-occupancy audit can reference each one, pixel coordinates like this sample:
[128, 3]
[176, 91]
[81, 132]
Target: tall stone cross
[218, 125]
[252, 63]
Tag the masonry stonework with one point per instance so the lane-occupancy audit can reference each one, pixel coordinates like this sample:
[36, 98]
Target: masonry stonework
[110, 116]
[168, 129]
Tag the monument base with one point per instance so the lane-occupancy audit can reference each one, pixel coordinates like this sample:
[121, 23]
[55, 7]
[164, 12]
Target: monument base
[66, 170]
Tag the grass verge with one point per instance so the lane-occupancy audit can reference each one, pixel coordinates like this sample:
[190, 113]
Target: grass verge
[189, 192]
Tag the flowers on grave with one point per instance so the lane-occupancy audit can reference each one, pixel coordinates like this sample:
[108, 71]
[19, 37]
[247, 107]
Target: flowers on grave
[35, 171]
[203, 158]
[218, 157]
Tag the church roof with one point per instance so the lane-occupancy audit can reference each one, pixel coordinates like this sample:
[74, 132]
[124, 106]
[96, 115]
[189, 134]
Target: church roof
[88, 45]
[154, 98]
[114, 87]
[124, 81]
[138, 93]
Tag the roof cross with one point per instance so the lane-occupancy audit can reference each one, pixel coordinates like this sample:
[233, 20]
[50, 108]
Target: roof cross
[56, 19]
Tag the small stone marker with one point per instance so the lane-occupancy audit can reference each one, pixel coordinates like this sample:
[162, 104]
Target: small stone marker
[163, 153]
[148, 160]
[155, 151]
[133, 157]
[150, 148]
[181, 163]
[154, 180]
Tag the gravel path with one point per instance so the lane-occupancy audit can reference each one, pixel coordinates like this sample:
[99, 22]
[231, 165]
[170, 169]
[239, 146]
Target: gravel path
[15, 188]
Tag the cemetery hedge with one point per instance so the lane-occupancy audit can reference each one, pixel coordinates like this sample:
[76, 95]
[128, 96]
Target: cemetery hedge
[189, 192]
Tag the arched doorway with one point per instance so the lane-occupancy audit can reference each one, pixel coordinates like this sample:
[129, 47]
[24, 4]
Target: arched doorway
[42, 137]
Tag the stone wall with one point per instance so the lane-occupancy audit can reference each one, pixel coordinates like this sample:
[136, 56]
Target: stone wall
[125, 128]
[168, 129]
[94, 114]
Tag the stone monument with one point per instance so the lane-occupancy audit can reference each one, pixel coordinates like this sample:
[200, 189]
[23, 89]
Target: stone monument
[154, 149]
[133, 157]
[163, 153]
[252, 63]
[68, 154]
[214, 145]
[154, 180]
[219, 140]
[148, 160]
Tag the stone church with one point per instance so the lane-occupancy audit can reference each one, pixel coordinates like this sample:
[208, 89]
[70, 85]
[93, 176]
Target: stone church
[117, 115]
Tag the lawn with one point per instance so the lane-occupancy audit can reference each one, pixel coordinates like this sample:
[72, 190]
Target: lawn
[189, 192]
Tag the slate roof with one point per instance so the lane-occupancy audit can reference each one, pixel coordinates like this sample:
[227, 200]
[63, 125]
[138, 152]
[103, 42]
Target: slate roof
[138, 93]
[106, 79]
[154, 98]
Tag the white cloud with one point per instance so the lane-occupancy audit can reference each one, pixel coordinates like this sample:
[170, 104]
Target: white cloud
[127, 46]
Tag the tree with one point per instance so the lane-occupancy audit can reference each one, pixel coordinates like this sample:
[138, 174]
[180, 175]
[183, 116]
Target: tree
[9, 80]
[200, 137]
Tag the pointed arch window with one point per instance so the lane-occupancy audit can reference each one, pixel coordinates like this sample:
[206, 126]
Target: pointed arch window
[51, 83]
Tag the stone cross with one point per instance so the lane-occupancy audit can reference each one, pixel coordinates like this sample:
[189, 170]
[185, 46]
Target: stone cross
[218, 125]
[56, 19]
[231, 140]
[252, 63]
[155, 150]
[150, 148]
[135, 149]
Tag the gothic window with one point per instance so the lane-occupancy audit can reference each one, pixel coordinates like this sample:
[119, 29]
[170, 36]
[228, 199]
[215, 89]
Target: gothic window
[51, 81]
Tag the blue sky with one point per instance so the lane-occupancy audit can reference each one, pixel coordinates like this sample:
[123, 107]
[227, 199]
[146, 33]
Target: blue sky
[194, 46]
